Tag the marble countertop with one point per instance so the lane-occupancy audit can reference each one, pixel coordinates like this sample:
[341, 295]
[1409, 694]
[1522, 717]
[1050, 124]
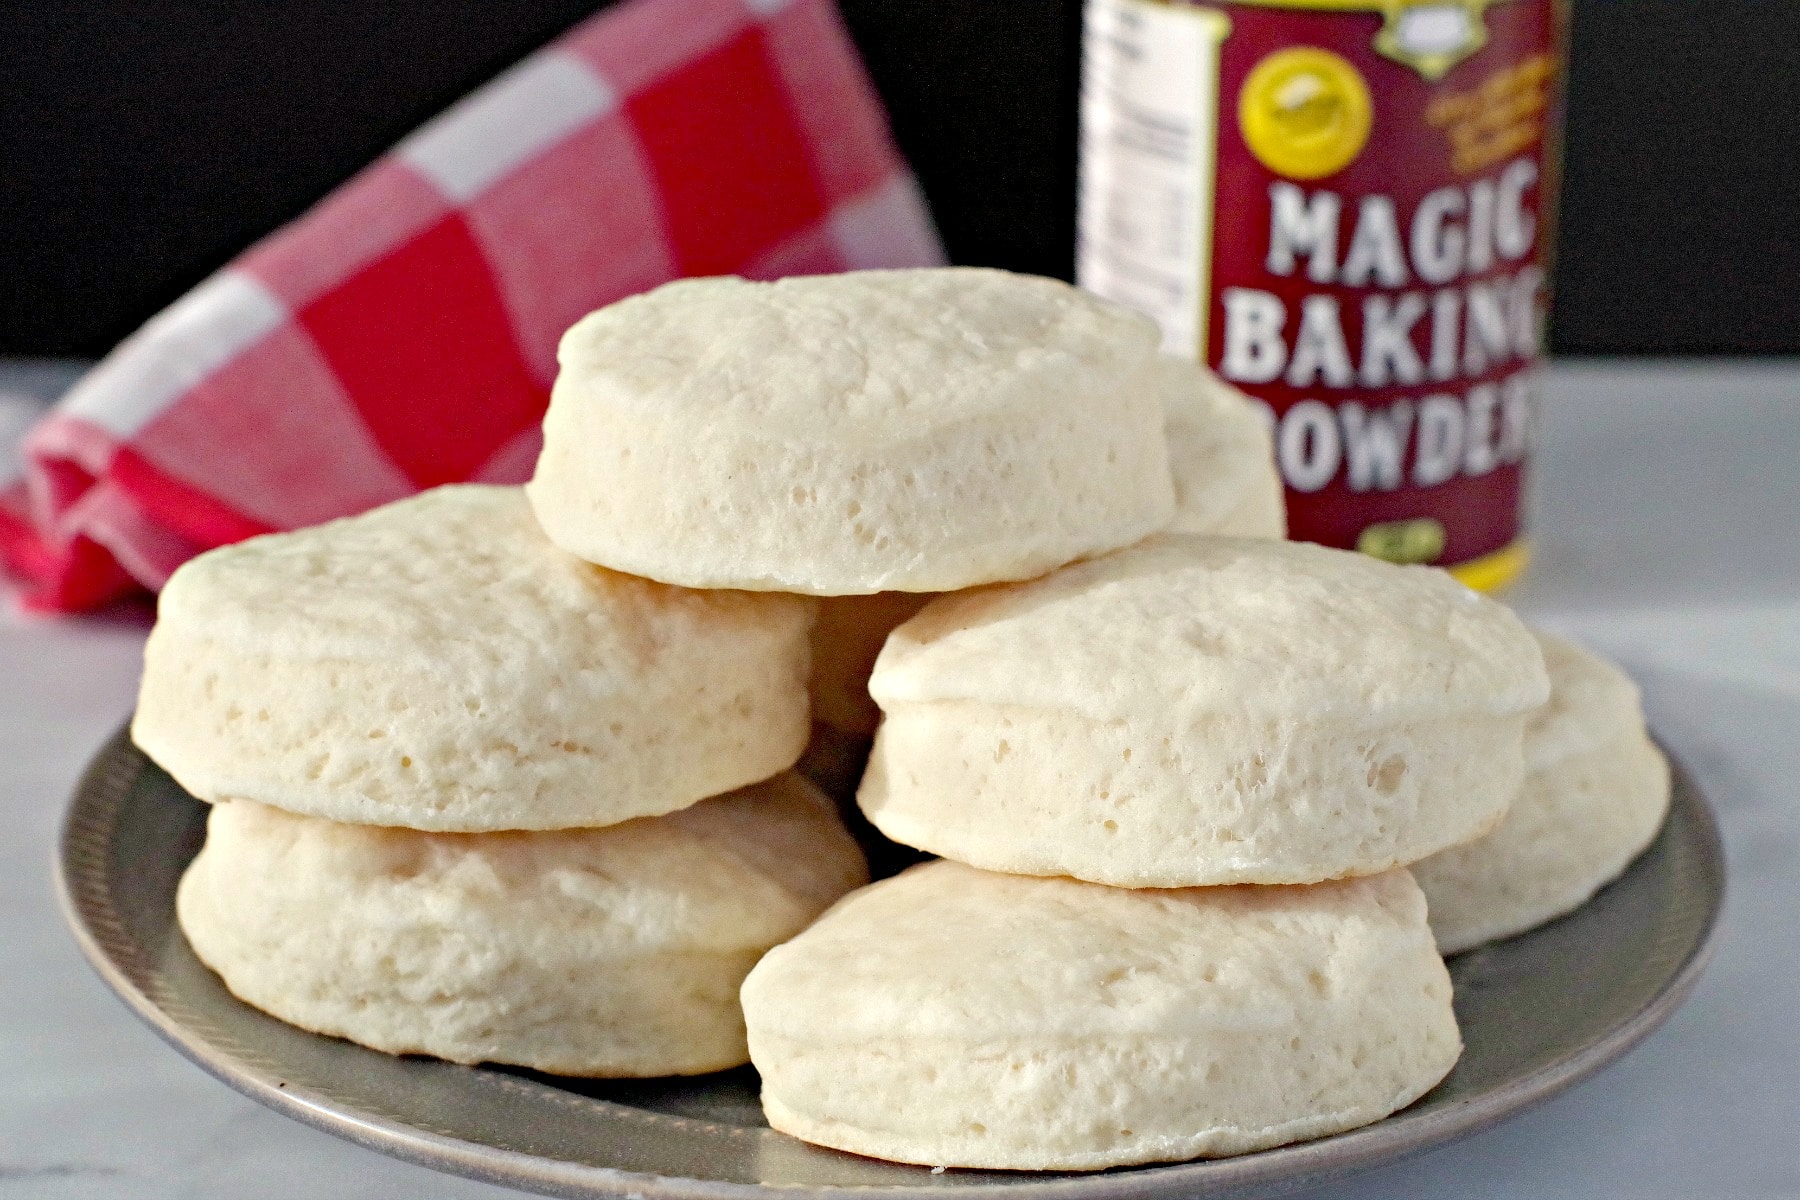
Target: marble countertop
[1668, 519]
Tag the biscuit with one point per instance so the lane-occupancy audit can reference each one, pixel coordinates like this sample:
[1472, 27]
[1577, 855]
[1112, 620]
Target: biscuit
[1596, 790]
[1221, 455]
[918, 431]
[1200, 710]
[612, 952]
[438, 664]
[954, 1017]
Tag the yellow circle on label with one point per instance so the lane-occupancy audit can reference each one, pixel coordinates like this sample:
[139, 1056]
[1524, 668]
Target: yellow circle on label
[1305, 112]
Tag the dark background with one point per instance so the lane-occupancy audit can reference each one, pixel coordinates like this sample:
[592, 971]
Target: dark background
[143, 145]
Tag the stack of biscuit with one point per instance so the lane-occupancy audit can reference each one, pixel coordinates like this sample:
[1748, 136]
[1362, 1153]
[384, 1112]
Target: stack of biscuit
[1176, 787]
[478, 799]
[1175, 767]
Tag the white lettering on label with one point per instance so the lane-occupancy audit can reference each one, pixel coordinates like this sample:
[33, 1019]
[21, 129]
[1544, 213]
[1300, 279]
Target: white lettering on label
[1375, 442]
[1515, 229]
[1480, 454]
[1524, 314]
[1388, 355]
[1455, 231]
[1453, 331]
[1425, 442]
[1254, 349]
[1319, 349]
[1446, 319]
[1298, 225]
[1467, 324]
[1464, 331]
[1438, 452]
[1307, 447]
[1481, 227]
[1438, 247]
[1487, 335]
[1375, 252]
[1517, 411]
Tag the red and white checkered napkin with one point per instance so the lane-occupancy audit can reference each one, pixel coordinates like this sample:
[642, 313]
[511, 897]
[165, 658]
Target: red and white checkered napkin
[403, 333]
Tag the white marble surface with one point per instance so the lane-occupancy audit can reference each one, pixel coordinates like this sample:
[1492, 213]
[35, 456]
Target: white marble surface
[1668, 513]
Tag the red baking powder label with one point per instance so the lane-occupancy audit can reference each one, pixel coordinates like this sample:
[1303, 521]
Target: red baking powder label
[1342, 207]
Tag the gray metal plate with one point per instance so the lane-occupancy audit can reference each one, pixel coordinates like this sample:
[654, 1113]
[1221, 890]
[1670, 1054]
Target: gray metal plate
[1538, 1013]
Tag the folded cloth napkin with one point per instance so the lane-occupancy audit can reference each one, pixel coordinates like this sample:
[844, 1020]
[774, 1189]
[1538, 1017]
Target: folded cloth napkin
[403, 332]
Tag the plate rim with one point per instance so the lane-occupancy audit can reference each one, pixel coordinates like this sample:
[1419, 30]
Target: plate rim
[105, 783]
